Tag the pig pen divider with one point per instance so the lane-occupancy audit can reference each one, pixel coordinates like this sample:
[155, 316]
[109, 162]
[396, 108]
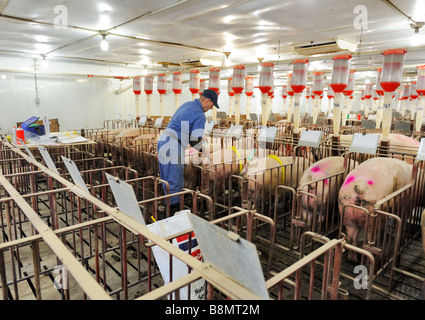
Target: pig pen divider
[246, 222]
[123, 224]
[390, 226]
[404, 206]
[319, 195]
[365, 254]
[65, 208]
[258, 187]
[331, 252]
[216, 181]
[88, 275]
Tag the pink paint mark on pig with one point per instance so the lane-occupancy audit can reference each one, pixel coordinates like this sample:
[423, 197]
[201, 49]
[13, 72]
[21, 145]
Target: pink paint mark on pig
[349, 180]
[315, 169]
[370, 182]
[326, 182]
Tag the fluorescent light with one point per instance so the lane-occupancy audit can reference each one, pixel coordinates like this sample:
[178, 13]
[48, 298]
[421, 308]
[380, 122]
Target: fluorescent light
[104, 7]
[417, 39]
[145, 61]
[228, 19]
[145, 51]
[44, 63]
[104, 45]
[104, 21]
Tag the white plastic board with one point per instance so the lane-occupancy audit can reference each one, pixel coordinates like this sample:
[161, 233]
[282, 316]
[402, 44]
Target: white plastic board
[158, 122]
[235, 131]
[237, 258]
[310, 138]
[142, 120]
[47, 159]
[421, 151]
[267, 134]
[75, 174]
[364, 143]
[209, 125]
[27, 150]
[125, 198]
[253, 116]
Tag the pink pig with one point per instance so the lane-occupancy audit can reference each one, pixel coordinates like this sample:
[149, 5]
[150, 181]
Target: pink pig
[370, 182]
[401, 147]
[327, 171]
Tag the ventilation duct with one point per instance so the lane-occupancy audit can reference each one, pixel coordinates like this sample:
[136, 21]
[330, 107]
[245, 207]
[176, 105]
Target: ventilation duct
[192, 64]
[331, 46]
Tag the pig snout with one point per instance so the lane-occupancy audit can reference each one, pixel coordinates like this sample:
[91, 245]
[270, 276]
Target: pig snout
[354, 219]
[318, 201]
[308, 202]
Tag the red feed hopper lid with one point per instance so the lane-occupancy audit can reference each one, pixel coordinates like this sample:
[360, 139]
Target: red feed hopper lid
[394, 51]
[342, 56]
[267, 64]
[300, 61]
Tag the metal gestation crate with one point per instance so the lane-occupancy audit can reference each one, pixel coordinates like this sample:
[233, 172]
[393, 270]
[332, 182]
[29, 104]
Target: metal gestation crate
[82, 247]
[258, 187]
[83, 239]
[390, 227]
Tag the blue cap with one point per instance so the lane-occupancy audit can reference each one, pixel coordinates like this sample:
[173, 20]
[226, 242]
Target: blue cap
[212, 95]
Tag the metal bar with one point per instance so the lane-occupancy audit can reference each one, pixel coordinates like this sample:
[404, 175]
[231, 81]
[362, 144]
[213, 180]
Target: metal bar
[87, 283]
[228, 286]
[301, 263]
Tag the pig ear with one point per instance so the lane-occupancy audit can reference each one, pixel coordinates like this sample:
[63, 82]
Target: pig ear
[359, 187]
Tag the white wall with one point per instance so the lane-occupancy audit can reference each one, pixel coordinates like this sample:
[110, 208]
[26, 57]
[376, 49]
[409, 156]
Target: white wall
[78, 101]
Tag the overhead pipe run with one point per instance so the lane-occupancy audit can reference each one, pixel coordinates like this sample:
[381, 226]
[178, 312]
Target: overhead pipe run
[85, 75]
[414, 24]
[3, 5]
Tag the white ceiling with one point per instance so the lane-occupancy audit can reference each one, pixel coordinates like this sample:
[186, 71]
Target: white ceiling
[146, 32]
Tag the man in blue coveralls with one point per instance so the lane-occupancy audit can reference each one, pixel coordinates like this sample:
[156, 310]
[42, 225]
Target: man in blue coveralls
[186, 127]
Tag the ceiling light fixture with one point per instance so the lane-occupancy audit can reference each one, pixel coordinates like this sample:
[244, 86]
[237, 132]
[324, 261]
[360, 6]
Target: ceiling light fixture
[416, 26]
[259, 66]
[43, 62]
[104, 45]
[227, 61]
